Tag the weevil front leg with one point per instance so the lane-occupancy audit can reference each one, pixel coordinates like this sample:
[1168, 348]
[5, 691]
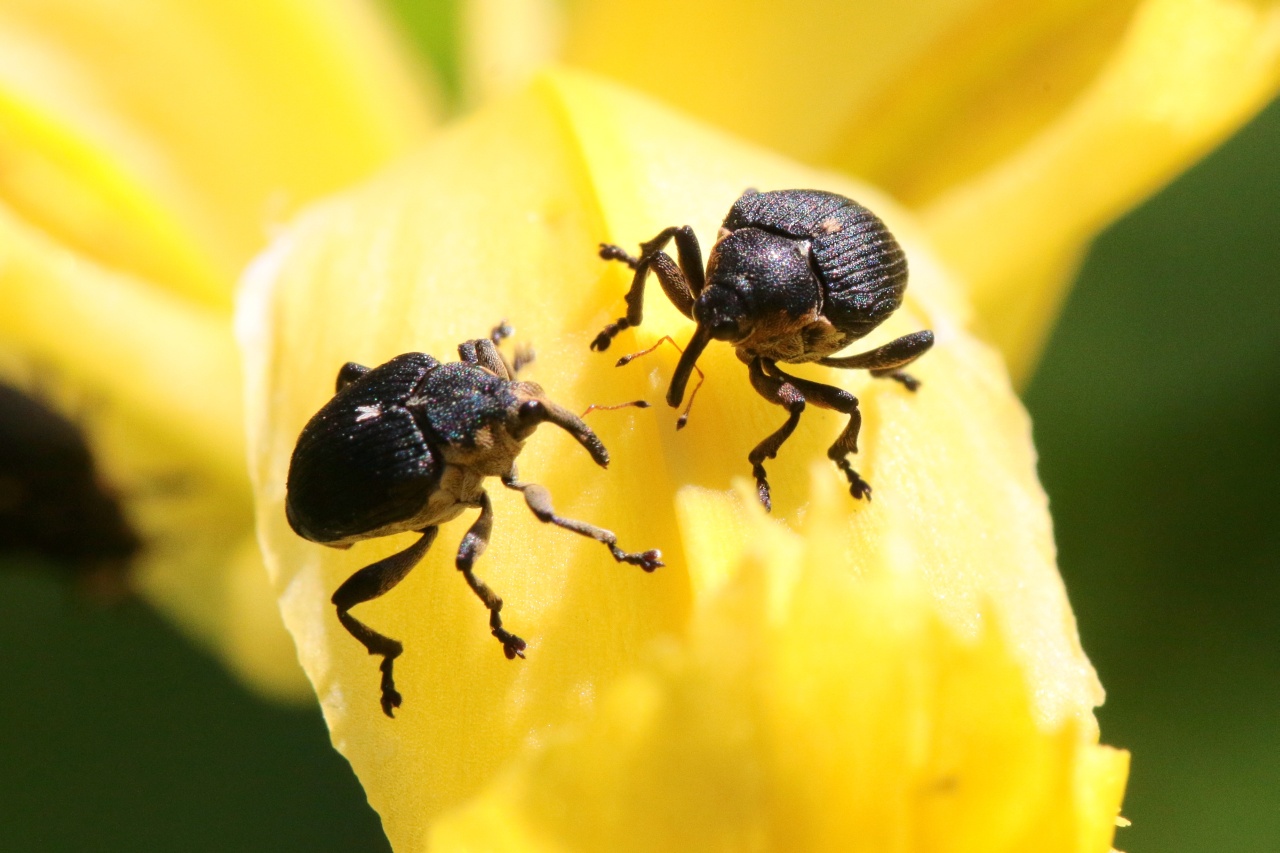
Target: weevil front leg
[483, 353]
[369, 583]
[538, 500]
[839, 400]
[782, 393]
[886, 362]
[524, 352]
[473, 545]
[682, 285]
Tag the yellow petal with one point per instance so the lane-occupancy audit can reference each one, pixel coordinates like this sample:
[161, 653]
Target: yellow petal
[1185, 74]
[790, 78]
[1016, 133]
[500, 218]
[167, 137]
[807, 710]
[504, 44]
[148, 149]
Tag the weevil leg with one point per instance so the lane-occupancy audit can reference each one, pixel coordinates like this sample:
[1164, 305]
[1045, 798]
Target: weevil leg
[349, 373]
[501, 332]
[524, 353]
[523, 358]
[680, 293]
[473, 545]
[539, 501]
[886, 362]
[782, 393]
[483, 353]
[837, 399]
[369, 583]
[674, 281]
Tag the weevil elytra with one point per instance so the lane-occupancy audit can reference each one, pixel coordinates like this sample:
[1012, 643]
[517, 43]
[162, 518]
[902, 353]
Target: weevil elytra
[406, 446]
[794, 276]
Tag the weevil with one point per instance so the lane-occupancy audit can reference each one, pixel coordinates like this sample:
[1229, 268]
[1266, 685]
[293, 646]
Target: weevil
[794, 276]
[406, 446]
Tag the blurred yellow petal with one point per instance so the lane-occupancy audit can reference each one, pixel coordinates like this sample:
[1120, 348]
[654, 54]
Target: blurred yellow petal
[1016, 133]
[504, 43]
[166, 137]
[149, 149]
[83, 321]
[807, 710]
[788, 77]
[500, 218]
[1186, 74]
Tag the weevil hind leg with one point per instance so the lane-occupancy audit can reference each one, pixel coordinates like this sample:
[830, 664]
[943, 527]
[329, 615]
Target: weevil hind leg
[538, 500]
[473, 545]
[886, 362]
[846, 444]
[367, 584]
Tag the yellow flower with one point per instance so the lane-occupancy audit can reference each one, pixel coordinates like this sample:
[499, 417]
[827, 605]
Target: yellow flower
[899, 675]
[148, 150]
[1015, 133]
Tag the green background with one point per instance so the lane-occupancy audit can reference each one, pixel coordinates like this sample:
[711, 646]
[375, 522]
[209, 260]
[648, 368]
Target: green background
[1157, 417]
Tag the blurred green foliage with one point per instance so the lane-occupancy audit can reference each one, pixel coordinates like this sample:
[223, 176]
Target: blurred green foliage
[431, 27]
[1157, 419]
[117, 735]
[1157, 412]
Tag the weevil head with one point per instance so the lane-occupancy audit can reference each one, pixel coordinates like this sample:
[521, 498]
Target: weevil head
[756, 280]
[534, 408]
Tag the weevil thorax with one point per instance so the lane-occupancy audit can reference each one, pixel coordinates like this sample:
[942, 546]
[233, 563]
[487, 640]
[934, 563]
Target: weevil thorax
[762, 294]
[471, 414]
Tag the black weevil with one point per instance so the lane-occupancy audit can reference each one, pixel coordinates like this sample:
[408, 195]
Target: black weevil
[406, 446]
[795, 276]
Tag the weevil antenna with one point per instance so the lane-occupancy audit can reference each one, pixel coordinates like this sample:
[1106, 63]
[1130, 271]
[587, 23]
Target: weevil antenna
[603, 407]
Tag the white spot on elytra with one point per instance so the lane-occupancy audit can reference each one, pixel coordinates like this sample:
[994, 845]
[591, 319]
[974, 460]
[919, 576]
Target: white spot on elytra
[367, 413]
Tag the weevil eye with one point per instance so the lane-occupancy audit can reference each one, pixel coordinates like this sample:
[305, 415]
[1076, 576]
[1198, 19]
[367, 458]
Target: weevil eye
[528, 416]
